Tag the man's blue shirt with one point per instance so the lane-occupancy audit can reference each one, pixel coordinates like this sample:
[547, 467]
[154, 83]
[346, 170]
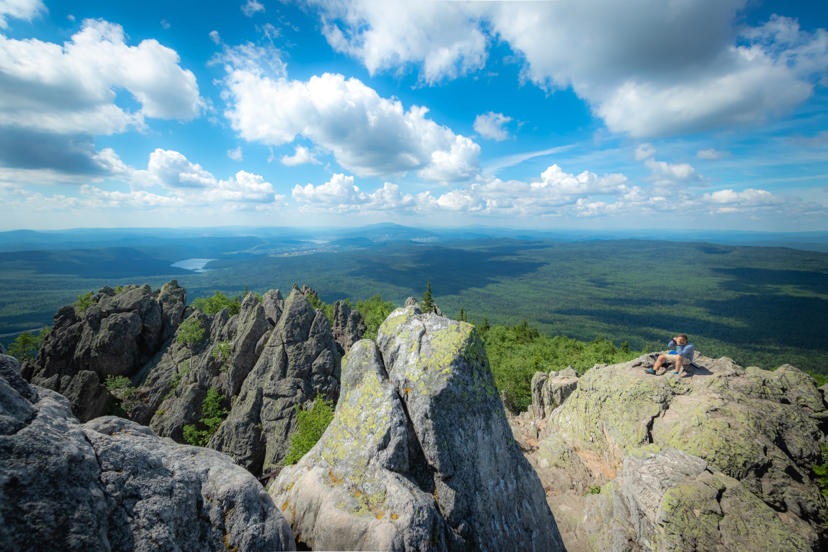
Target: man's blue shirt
[686, 351]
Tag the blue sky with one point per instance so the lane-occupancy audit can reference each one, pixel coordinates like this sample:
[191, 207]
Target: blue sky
[593, 114]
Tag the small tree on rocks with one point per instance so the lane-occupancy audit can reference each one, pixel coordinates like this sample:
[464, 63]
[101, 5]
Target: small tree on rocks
[427, 304]
[190, 333]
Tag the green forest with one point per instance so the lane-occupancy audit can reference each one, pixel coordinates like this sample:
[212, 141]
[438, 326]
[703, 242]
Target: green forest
[747, 303]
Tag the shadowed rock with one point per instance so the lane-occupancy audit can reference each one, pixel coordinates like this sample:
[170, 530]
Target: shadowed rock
[111, 484]
[177, 386]
[299, 362]
[348, 325]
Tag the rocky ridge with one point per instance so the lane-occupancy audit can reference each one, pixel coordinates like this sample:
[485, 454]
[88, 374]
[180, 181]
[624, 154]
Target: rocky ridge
[299, 362]
[112, 484]
[717, 460]
[419, 455]
[134, 333]
[116, 335]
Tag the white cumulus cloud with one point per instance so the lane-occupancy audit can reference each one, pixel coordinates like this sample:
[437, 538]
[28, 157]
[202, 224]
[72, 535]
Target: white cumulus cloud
[369, 135]
[235, 154]
[251, 7]
[490, 125]
[340, 195]
[301, 156]
[663, 174]
[648, 68]
[20, 9]
[71, 88]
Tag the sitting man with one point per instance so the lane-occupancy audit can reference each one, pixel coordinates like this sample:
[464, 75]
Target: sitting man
[682, 357]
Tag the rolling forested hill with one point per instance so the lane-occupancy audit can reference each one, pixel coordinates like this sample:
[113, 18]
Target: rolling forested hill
[757, 305]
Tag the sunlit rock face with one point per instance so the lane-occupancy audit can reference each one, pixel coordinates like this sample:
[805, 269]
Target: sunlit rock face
[419, 455]
[116, 335]
[632, 459]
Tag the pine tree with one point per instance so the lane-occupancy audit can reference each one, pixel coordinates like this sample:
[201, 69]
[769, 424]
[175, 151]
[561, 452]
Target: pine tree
[427, 304]
[462, 316]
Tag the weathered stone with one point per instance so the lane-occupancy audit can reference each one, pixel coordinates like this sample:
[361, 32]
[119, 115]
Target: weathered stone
[10, 371]
[117, 336]
[440, 371]
[419, 456]
[299, 363]
[760, 428]
[668, 500]
[86, 395]
[348, 325]
[273, 304]
[112, 484]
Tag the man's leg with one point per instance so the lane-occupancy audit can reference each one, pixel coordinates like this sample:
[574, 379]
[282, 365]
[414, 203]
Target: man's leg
[681, 362]
[659, 362]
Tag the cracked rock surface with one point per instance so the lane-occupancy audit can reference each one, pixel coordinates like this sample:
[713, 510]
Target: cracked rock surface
[116, 336]
[756, 434]
[299, 362]
[419, 455]
[112, 484]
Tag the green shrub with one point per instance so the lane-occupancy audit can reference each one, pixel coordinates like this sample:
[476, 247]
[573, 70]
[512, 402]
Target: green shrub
[212, 414]
[222, 352]
[84, 301]
[821, 470]
[374, 311]
[517, 352]
[190, 333]
[311, 424]
[26, 346]
[214, 304]
[113, 383]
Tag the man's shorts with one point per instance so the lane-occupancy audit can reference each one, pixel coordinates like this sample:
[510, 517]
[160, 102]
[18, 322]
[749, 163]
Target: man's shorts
[671, 359]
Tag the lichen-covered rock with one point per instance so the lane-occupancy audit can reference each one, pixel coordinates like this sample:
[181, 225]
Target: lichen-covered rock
[419, 455]
[668, 500]
[357, 489]
[117, 335]
[299, 362]
[111, 484]
[760, 428]
[348, 325]
[550, 391]
[420, 437]
[440, 371]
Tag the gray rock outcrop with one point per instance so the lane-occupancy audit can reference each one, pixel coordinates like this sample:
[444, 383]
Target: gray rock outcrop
[549, 391]
[117, 335]
[671, 500]
[348, 326]
[112, 484]
[419, 455]
[299, 362]
[756, 432]
[177, 386]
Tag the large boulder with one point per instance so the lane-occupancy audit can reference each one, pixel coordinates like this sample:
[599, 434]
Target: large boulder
[549, 391]
[419, 455]
[670, 500]
[299, 362]
[112, 484]
[348, 325]
[116, 335]
[757, 428]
